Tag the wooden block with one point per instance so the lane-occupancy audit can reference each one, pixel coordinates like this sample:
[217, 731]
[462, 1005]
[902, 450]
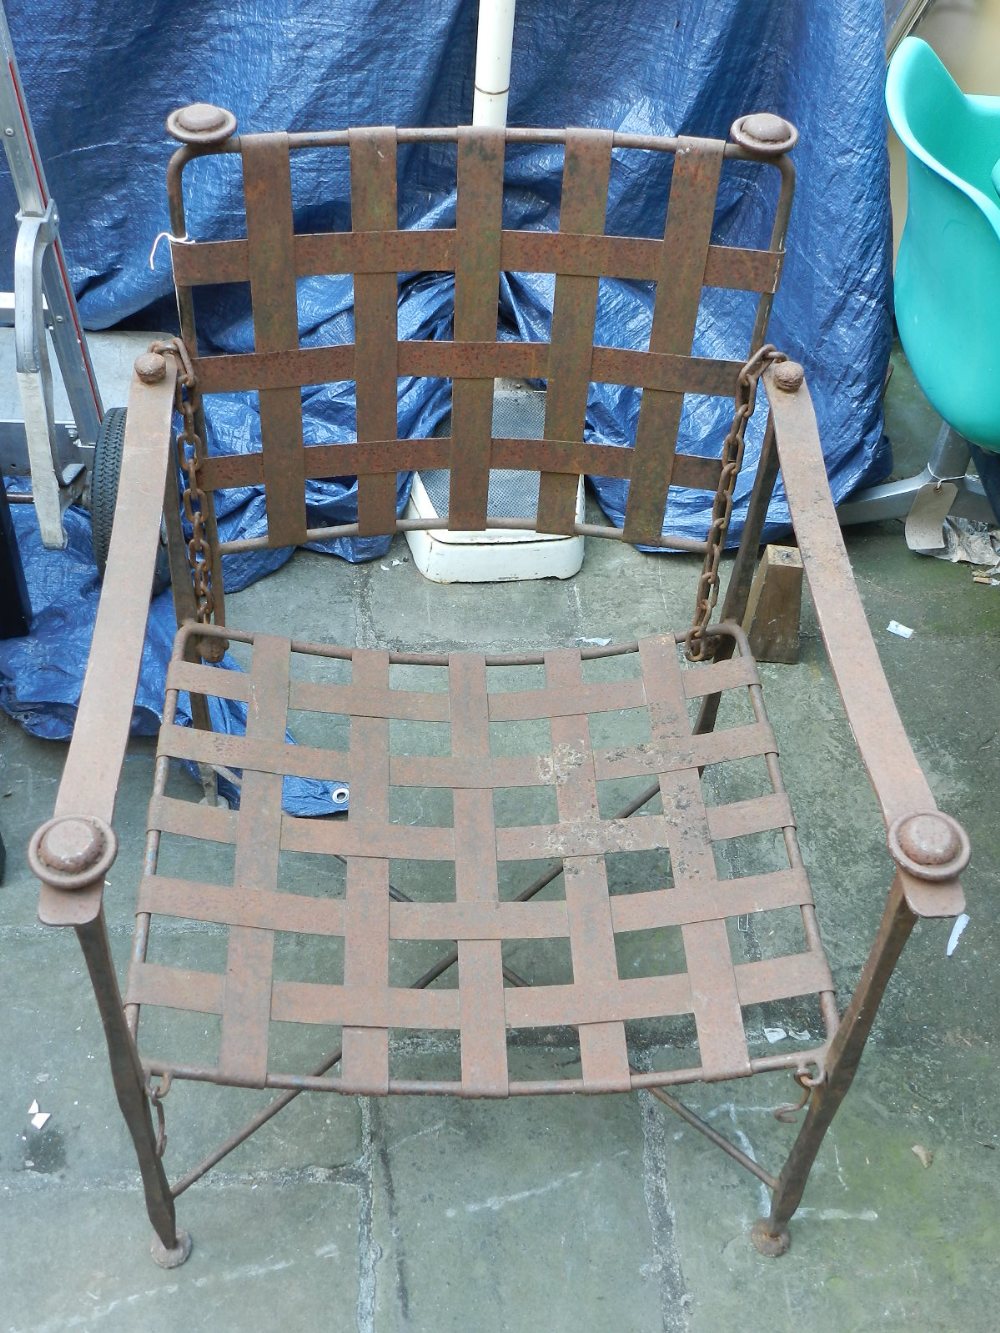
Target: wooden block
[771, 621]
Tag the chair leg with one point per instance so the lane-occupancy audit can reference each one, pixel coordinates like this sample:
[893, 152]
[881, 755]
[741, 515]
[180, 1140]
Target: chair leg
[770, 1234]
[170, 1247]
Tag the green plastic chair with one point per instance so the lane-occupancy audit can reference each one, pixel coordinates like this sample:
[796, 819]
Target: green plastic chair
[948, 268]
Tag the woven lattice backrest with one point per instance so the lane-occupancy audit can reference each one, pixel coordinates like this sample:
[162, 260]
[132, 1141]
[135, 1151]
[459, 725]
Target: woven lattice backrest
[477, 250]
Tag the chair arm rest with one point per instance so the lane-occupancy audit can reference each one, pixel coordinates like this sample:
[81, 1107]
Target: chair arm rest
[929, 852]
[93, 766]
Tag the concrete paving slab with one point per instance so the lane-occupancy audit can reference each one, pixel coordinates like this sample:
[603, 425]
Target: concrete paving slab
[507, 1216]
[78, 1258]
[881, 1242]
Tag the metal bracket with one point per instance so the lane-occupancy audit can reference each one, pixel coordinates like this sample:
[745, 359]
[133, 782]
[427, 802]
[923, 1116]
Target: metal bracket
[893, 499]
[43, 300]
[34, 376]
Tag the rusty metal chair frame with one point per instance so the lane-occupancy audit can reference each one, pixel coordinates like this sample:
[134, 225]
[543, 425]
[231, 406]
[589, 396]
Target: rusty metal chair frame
[72, 853]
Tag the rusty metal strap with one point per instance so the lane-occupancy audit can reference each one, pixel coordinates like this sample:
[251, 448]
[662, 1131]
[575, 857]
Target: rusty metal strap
[205, 679]
[584, 201]
[624, 761]
[480, 962]
[896, 776]
[631, 258]
[391, 456]
[648, 834]
[92, 771]
[477, 287]
[603, 1052]
[267, 190]
[483, 1011]
[365, 1059]
[683, 259]
[235, 752]
[714, 999]
[246, 1013]
[444, 360]
[373, 209]
[372, 1008]
[653, 909]
[431, 843]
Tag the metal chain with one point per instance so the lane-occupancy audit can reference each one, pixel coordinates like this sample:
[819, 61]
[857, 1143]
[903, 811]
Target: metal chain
[156, 1093]
[190, 451]
[696, 645]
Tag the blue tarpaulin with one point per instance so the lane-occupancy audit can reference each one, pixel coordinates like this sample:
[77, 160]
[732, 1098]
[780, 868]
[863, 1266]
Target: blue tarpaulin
[101, 75]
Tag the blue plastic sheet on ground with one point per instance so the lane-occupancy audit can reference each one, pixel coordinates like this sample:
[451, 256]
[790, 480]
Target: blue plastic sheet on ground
[101, 75]
[41, 674]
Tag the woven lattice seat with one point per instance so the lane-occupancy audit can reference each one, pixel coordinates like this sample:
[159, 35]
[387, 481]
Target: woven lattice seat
[642, 690]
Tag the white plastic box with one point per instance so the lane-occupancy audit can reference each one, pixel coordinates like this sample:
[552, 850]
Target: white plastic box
[500, 554]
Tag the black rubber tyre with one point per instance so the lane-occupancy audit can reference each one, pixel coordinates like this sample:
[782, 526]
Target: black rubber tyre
[104, 495]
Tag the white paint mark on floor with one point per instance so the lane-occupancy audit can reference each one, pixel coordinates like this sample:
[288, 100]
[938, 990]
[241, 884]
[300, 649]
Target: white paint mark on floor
[94, 1314]
[728, 1109]
[838, 1214]
[840, 1169]
[417, 1134]
[497, 1201]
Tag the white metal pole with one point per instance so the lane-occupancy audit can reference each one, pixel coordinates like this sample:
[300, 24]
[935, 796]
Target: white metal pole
[493, 49]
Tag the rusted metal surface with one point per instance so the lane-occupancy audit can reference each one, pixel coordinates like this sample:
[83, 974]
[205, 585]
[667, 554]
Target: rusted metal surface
[634, 258]
[267, 189]
[477, 250]
[931, 846]
[373, 209]
[90, 778]
[897, 778]
[201, 123]
[582, 209]
[679, 281]
[197, 590]
[72, 852]
[668, 542]
[491, 1006]
[770, 1234]
[130, 1089]
[765, 135]
[483, 1012]
[722, 506]
[478, 225]
[150, 367]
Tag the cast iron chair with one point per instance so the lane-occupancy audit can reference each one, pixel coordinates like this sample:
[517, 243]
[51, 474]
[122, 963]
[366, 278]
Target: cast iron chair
[599, 781]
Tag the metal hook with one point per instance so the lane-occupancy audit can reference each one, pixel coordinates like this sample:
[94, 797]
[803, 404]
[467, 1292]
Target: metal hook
[788, 1111]
[156, 1094]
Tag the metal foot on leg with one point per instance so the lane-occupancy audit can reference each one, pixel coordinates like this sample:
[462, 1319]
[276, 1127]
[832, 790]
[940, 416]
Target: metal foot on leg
[171, 1247]
[770, 1234]
[770, 1243]
[171, 1258]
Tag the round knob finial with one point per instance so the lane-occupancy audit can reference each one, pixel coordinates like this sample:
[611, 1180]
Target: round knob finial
[931, 846]
[150, 367]
[201, 123]
[765, 134]
[788, 376]
[72, 851]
